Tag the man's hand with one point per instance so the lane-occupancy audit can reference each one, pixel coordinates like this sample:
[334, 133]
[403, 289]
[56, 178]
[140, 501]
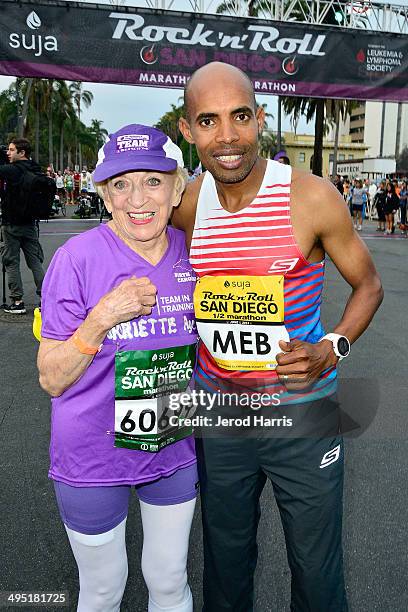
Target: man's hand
[301, 363]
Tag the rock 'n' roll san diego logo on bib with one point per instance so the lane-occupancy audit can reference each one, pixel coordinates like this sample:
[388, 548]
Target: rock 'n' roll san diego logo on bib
[144, 381]
[241, 319]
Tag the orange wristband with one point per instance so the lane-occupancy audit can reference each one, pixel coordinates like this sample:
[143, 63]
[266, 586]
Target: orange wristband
[84, 348]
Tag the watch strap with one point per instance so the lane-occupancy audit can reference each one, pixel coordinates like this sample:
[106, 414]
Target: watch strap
[334, 338]
[84, 348]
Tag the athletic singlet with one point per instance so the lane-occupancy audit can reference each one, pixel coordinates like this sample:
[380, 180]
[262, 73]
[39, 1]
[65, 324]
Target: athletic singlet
[258, 241]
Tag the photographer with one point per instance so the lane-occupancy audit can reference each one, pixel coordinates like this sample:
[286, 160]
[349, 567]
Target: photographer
[18, 228]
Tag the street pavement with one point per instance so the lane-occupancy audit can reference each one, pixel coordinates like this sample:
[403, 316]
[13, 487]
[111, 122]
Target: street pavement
[35, 555]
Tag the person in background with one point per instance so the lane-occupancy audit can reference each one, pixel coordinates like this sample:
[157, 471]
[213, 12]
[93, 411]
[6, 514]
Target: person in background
[390, 208]
[403, 196]
[84, 180]
[346, 189]
[338, 183]
[396, 186]
[69, 186]
[18, 228]
[92, 192]
[379, 203]
[77, 183]
[358, 197]
[104, 329]
[282, 158]
[59, 181]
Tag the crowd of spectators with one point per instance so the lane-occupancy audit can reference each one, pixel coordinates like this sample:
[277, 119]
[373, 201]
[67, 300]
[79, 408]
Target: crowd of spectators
[384, 200]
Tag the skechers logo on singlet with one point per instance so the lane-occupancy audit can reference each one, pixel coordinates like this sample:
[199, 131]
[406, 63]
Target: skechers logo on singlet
[283, 265]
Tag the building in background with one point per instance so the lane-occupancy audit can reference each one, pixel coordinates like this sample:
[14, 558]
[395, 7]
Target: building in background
[382, 126]
[299, 148]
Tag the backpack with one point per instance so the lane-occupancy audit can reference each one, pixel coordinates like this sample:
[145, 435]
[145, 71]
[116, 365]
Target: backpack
[37, 191]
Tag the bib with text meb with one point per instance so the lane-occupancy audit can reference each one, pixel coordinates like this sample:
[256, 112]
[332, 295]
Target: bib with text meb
[145, 419]
[240, 319]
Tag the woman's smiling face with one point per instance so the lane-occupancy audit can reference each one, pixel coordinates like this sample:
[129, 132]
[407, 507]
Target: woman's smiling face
[141, 203]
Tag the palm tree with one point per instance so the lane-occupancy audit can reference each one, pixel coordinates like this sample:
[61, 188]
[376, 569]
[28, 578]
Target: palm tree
[65, 112]
[168, 124]
[100, 133]
[24, 85]
[49, 96]
[80, 96]
[268, 144]
[8, 113]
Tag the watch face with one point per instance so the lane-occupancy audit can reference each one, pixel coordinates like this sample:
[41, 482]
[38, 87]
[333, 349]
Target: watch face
[343, 346]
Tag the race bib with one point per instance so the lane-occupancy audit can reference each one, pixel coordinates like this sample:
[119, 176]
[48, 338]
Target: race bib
[240, 319]
[147, 387]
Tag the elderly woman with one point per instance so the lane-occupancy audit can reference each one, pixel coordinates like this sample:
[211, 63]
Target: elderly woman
[118, 337]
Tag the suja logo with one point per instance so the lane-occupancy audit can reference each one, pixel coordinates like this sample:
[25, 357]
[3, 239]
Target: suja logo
[33, 42]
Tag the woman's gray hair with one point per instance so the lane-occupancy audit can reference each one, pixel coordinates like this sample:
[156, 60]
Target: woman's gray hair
[181, 182]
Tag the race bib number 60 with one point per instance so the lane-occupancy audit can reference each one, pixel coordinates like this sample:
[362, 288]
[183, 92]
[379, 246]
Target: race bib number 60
[241, 319]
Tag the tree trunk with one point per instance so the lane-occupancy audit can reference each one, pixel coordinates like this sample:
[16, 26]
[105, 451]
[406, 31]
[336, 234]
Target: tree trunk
[318, 143]
[336, 137]
[279, 123]
[79, 144]
[50, 138]
[69, 162]
[23, 119]
[384, 106]
[37, 128]
[61, 156]
[398, 130]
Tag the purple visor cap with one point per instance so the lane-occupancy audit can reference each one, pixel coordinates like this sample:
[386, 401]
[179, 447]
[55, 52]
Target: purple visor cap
[137, 147]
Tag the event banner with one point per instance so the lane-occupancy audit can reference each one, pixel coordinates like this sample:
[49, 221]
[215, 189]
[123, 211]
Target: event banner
[157, 48]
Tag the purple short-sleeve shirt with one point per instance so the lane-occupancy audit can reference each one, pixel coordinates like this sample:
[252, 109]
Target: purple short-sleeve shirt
[82, 448]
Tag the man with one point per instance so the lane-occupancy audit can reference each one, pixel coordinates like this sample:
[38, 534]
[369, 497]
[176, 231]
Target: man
[69, 186]
[338, 183]
[77, 183]
[59, 181]
[19, 230]
[271, 226]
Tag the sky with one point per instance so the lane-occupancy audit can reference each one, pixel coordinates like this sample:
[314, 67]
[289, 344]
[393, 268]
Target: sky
[118, 105]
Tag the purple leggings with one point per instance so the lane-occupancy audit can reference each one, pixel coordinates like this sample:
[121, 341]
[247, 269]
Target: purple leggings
[94, 510]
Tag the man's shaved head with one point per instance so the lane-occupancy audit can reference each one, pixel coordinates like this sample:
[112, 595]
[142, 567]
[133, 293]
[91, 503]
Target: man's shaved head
[213, 75]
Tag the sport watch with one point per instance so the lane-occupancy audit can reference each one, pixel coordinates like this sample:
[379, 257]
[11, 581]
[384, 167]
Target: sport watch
[341, 345]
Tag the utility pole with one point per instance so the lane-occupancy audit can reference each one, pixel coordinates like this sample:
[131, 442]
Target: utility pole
[382, 129]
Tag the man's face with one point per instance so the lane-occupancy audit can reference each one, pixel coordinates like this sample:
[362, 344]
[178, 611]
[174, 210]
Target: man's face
[224, 126]
[13, 154]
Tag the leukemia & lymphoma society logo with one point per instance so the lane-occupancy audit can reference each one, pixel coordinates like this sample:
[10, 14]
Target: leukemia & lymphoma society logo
[378, 58]
[33, 42]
